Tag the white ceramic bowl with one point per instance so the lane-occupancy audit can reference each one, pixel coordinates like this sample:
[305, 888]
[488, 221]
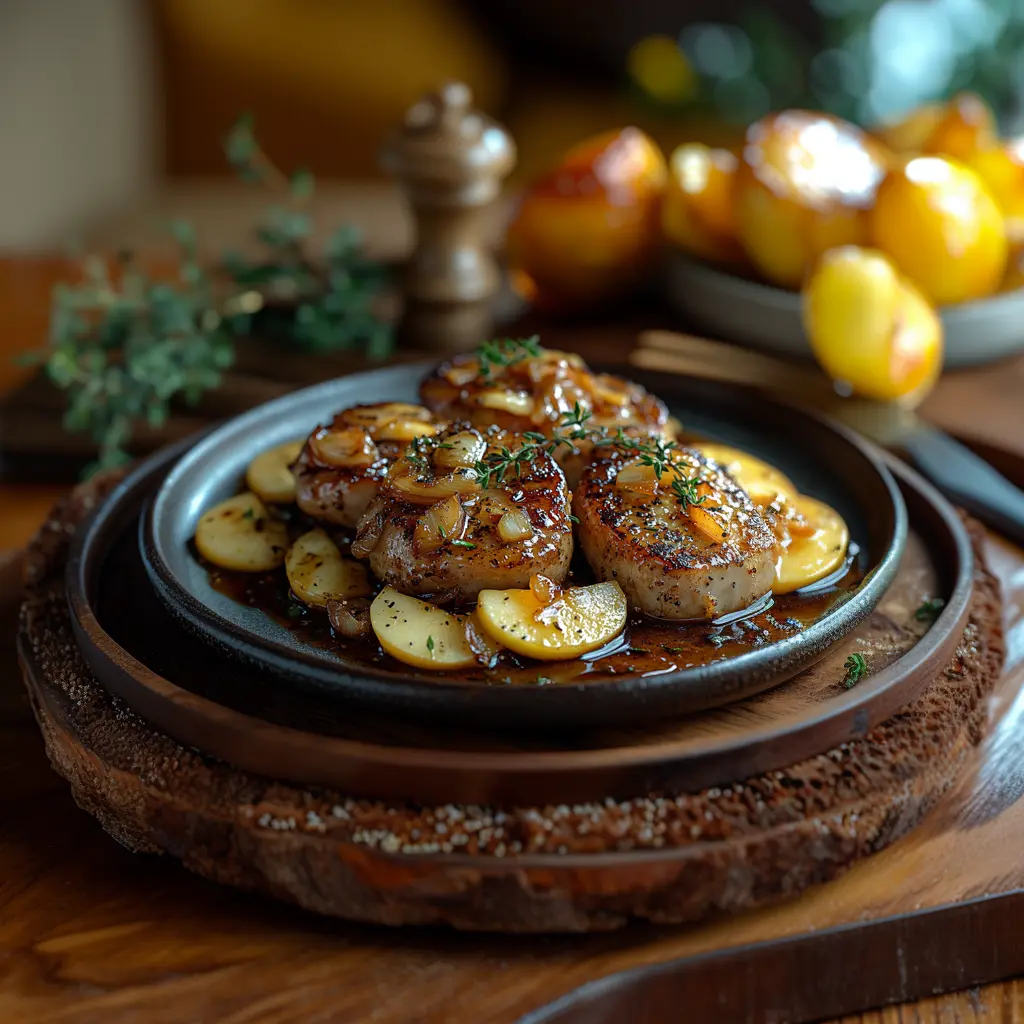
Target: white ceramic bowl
[761, 316]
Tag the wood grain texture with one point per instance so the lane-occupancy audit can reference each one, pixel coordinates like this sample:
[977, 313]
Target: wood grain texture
[169, 676]
[90, 932]
[990, 1004]
[664, 858]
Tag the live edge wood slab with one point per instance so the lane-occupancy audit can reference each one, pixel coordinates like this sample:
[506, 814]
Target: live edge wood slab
[280, 965]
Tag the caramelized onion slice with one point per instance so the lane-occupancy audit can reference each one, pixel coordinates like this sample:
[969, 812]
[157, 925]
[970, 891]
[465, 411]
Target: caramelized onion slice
[405, 430]
[637, 478]
[351, 447]
[408, 487]
[518, 403]
[440, 523]
[604, 391]
[350, 618]
[462, 373]
[460, 451]
[514, 526]
[485, 647]
[392, 421]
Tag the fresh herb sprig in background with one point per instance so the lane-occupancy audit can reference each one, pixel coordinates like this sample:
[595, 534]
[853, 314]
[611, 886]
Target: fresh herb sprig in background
[123, 345]
[319, 306]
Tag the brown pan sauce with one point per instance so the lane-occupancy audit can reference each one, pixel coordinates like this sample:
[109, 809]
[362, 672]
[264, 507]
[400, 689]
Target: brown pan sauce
[645, 648]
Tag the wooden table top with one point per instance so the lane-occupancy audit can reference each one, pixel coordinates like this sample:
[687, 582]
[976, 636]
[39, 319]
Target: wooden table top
[983, 404]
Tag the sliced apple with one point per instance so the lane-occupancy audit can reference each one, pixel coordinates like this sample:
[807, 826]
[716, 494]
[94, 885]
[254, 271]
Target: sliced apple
[318, 572]
[574, 621]
[817, 550]
[763, 482]
[421, 634]
[241, 534]
[270, 474]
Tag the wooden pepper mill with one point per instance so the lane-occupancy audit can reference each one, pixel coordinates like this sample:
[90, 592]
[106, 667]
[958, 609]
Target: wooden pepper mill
[450, 160]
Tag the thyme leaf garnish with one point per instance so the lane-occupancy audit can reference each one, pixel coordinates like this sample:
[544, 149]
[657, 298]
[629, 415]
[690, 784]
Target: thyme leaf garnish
[498, 355]
[655, 452]
[856, 669]
[929, 609]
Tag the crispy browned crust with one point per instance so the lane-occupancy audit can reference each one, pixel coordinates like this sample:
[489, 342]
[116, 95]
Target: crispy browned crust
[478, 559]
[635, 529]
[553, 384]
[338, 494]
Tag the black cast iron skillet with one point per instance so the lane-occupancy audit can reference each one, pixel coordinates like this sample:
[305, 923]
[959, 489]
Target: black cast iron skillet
[823, 459]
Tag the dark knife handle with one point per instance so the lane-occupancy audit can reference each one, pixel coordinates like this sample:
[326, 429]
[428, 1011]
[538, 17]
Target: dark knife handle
[967, 480]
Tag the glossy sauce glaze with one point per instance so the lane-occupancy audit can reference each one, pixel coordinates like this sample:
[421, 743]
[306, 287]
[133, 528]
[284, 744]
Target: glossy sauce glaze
[646, 647]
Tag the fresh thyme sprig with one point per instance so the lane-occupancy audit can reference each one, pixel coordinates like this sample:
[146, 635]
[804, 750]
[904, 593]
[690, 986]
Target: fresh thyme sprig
[123, 346]
[650, 451]
[856, 669]
[501, 353]
[496, 465]
[929, 609]
[317, 306]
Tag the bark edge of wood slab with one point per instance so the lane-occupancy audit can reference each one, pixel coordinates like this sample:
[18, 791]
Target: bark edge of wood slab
[764, 840]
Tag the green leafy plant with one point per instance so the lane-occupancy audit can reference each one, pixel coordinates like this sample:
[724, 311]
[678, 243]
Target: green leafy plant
[123, 345]
[856, 669]
[317, 306]
[929, 609]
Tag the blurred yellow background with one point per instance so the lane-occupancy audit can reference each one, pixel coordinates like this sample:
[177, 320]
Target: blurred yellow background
[109, 98]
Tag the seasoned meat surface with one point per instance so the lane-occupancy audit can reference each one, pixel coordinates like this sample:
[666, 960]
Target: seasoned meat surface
[342, 464]
[674, 560]
[521, 387]
[439, 526]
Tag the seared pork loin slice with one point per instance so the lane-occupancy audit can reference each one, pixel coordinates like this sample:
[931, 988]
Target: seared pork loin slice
[442, 525]
[524, 388]
[341, 465]
[674, 559]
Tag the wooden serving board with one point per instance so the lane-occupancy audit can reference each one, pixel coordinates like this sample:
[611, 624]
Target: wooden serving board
[204, 700]
[966, 849]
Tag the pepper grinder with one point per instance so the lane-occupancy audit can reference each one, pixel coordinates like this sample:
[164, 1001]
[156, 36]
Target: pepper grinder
[450, 160]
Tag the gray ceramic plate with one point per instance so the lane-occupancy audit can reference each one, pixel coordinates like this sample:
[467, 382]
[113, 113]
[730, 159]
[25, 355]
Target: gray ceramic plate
[822, 458]
[758, 315]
